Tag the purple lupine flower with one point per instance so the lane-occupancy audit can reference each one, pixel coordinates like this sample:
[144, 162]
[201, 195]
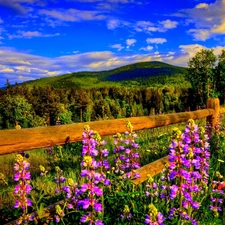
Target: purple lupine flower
[217, 194]
[99, 222]
[85, 218]
[160, 218]
[173, 191]
[172, 213]
[94, 164]
[84, 203]
[126, 160]
[98, 207]
[107, 182]
[188, 168]
[98, 191]
[22, 175]
[105, 152]
[215, 208]
[187, 196]
[195, 205]
[57, 218]
[23, 189]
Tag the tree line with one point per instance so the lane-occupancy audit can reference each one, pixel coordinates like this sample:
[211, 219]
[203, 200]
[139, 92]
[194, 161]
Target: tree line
[41, 106]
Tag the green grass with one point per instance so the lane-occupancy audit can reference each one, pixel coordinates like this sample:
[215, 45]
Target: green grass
[153, 145]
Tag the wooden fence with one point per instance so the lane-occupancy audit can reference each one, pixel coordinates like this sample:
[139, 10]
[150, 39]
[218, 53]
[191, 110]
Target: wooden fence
[12, 141]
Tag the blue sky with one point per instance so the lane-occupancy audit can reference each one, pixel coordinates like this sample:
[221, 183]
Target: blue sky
[42, 38]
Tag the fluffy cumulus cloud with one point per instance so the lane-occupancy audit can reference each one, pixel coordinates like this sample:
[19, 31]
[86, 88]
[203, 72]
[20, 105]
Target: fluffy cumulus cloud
[147, 48]
[156, 40]
[208, 19]
[130, 42]
[220, 28]
[117, 46]
[202, 6]
[113, 23]
[72, 14]
[19, 6]
[143, 26]
[168, 24]
[30, 34]
[187, 52]
[200, 34]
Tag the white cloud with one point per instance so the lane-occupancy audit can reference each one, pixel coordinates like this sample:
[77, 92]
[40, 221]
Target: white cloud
[202, 6]
[23, 69]
[200, 34]
[168, 24]
[113, 24]
[17, 6]
[117, 46]
[130, 42]
[113, 1]
[156, 40]
[147, 26]
[208, 19]
[30, 34]
[186, 53]
[148, 48]
[219, 29]
[142, 25]
[6, 70]
[153, 29]
[72, 15]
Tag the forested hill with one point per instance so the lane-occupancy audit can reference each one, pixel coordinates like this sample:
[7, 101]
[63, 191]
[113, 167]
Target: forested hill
[138, 74]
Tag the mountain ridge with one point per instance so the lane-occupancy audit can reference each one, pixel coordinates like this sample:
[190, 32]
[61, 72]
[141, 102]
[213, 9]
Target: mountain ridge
[136, 74]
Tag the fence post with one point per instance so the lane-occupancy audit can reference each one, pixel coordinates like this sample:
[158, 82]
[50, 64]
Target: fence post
[213, 103]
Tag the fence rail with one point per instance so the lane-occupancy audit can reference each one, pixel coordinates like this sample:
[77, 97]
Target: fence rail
[12, 141]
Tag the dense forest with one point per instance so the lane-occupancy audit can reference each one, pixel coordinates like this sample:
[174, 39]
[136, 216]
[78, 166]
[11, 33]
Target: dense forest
[46, 105]
[139, 89]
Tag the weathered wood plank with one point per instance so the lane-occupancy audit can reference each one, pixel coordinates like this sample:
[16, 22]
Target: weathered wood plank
[213, 103]
[222, 110]
[152, 169]
[12, 141]
[47, 213]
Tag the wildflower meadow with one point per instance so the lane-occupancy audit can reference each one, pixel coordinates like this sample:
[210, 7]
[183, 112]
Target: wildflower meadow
[98, 188]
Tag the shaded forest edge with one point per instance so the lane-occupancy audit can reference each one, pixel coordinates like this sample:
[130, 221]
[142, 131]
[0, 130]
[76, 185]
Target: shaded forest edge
[40, 106]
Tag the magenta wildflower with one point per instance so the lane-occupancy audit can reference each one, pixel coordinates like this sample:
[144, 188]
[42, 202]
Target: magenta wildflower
[217, 195]
[126, 160]
[23, 189]
[189, 164]
[94, 164]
